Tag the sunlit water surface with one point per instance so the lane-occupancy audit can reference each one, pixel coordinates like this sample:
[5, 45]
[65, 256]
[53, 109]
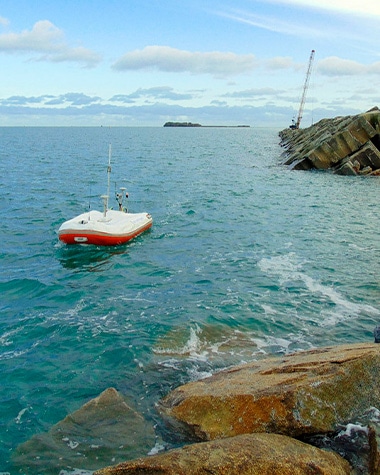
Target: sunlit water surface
[245, 259]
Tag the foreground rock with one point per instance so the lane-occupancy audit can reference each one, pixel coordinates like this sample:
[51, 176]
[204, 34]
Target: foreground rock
[310, 392]
[347, 145]
[255, 454]
[102, 432]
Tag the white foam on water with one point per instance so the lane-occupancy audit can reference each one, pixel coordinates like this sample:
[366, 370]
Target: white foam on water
[195, 374]
[20, 414]
[193, 346]
[76, 471]
[205, 351]
[287, 269]
[344, 308]
[352, 428]
[374, 414]
[106, 321]
[4, 338]
[73, 312]
[171, 363]
[12, 354]
[70, 443]
[268, 310]
[157, 449]
[270, 342]
[73, 445]
[123, 298]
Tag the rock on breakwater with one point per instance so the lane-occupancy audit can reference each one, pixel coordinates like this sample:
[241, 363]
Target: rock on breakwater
[309, 392]
[348, 145]
[106, 428]
[253, 454]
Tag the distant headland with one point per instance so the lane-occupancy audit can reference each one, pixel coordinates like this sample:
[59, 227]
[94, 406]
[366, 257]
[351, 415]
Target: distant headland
[190, 124]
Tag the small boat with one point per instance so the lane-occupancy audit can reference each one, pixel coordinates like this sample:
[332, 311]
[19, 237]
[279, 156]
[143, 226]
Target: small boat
[107, 228]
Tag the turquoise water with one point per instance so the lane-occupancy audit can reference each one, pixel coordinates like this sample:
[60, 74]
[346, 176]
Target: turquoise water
[245, 259]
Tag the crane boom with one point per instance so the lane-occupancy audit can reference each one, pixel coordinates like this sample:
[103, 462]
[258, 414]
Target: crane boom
[306, 85]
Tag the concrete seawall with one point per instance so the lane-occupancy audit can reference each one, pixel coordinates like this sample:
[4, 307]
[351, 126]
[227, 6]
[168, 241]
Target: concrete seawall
[347, 145]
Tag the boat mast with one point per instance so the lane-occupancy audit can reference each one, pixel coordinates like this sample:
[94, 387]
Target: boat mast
[109, 173]
[306, 85]
[106, 197]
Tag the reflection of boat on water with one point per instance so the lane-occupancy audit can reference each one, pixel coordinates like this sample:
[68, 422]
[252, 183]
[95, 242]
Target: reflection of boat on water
[107, 228]
[88, 258]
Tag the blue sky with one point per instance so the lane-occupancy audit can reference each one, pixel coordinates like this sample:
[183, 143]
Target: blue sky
[216, 62]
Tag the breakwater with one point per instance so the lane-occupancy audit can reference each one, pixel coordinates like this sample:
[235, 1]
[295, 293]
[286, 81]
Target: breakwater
[348, 145]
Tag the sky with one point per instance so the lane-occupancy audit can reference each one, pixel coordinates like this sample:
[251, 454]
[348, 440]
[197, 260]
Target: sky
[214, 62]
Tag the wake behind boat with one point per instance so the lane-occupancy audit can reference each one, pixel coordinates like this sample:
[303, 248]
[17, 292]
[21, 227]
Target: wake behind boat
[107, 228]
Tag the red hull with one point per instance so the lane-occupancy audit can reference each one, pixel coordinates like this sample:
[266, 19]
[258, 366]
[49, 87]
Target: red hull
[99, 239]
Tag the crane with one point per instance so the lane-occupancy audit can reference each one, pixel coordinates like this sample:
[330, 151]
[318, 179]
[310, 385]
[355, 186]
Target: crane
[305, 87]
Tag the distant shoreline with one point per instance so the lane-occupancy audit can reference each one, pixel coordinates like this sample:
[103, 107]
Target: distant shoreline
[191, 124]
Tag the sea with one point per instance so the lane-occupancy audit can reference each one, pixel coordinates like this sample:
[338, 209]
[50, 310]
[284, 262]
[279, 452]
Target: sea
[246, 259]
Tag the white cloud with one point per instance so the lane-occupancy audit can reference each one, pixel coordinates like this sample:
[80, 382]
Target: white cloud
[78, 108]
[71, 98]
[167, 59]
[363, 7]
[255, 92]
[301, 19]
[282, 62]
[155, 93]
[4, 21]
[334, 66]
[47, 39]
[274, 24]
[79, 55]
[44, 36]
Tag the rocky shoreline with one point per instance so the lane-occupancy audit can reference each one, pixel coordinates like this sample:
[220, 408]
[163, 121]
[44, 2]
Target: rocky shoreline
[347, 145]
[295, 414]
[259, 418]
